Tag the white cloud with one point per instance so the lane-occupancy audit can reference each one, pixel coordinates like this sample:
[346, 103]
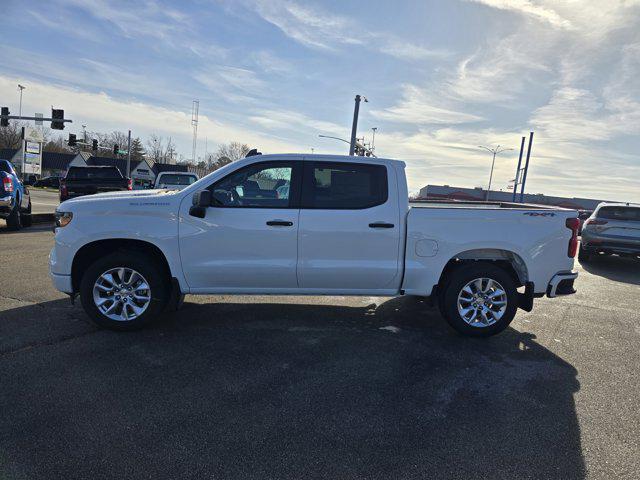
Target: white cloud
[529, 8]
[318, 29]
[105, 113]
[418, 107]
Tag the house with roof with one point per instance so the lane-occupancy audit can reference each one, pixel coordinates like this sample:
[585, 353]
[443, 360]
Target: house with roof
[54, 164]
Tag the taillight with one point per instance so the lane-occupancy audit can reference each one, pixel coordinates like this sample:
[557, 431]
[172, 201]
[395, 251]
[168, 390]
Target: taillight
[129, 184]
[63, 189]
[595, 221]
[7, 184]
[573, 224]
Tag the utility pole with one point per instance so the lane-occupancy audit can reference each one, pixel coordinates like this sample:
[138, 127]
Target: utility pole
[354, 126]
[84, 133]
[129, 155]
[494, 151]
[515, 182]
[194, 123]
[21, 87]
[526, 167]
[373, 138]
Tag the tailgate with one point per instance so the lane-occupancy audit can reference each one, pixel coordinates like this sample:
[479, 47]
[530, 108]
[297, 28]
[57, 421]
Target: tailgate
[84, 187]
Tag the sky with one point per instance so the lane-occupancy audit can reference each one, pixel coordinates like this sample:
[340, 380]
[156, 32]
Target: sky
[441, 78]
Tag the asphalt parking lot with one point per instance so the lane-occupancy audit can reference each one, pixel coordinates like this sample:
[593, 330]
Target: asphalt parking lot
[308, 387]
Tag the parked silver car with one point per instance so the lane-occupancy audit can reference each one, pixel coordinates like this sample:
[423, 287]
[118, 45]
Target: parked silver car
[613, 228]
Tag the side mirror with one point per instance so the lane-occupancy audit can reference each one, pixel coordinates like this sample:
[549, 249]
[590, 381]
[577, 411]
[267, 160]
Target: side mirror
[200, 201]
[201, 198]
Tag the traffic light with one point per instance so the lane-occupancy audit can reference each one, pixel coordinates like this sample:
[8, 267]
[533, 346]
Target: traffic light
[115, 149]
[4, 122]
[72, 140]
[94, 145]
[57, 115]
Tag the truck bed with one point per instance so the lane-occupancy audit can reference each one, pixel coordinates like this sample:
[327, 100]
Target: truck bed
[480, 205]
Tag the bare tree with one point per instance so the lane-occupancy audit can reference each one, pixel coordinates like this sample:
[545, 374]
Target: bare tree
[11, 135]
[159, 151]
[230, 152]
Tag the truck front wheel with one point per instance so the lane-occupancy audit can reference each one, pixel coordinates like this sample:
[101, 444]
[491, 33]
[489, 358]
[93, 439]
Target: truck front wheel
[479, 299]
[124, 291]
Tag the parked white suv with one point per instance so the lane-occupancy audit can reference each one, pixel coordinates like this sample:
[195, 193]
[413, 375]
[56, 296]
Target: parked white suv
[342, 227]
[175, 180]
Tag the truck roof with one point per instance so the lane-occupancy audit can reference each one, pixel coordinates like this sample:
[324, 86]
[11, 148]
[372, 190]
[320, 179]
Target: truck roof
[330, 158]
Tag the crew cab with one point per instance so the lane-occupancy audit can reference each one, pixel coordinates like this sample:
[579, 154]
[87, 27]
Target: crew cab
[343, 226]
[81, 181]
[15, 201]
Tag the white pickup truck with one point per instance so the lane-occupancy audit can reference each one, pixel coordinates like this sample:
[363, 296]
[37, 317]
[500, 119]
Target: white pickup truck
[309, 225]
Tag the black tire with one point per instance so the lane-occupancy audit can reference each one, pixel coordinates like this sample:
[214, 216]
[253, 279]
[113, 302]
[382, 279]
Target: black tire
[14, 220]
[27, 220]
[583, 255]
[158, 282]
[458, 279]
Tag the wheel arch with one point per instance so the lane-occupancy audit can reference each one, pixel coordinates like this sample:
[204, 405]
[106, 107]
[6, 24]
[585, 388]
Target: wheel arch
[508, 260]
[90, 251]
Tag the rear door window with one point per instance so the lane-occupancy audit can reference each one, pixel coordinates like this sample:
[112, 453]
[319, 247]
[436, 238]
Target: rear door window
[343, 186]
[620, 213]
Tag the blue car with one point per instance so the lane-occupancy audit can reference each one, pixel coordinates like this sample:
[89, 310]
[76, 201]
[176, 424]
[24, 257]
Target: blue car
[15, 203]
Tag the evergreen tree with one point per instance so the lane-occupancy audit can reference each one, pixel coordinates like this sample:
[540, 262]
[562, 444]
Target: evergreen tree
[137, 149]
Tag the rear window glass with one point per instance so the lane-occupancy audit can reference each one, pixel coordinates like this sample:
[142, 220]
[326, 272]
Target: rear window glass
[177, 179]
[620, 213]
[4, 167]
[89, 172]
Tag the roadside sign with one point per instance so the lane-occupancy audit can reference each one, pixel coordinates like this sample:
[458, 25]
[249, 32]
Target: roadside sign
[32, 157]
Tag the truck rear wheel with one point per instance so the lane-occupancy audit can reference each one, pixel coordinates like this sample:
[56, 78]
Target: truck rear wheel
[479, 299]
[124, 291]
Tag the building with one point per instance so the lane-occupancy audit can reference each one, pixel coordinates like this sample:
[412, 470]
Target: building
[54, 164]
[439, 192]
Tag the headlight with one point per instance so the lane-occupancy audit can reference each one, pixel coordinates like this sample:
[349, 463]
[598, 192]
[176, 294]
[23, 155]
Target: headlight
[63, 218]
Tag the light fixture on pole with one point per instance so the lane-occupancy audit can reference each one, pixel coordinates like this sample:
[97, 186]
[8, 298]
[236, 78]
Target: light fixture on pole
[494, 151]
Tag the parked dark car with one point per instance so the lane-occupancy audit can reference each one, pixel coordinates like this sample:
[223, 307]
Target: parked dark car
[48, 182]
[81, 181]
[15, 202]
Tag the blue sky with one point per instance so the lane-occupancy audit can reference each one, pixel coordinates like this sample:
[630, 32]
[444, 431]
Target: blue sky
[442, 77]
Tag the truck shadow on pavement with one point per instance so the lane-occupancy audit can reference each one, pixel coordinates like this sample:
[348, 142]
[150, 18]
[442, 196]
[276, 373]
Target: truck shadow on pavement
[618, 269]
[282, 390]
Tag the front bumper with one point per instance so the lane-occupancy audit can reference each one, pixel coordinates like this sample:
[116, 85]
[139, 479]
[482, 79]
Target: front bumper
[62, 283]
[562, 284]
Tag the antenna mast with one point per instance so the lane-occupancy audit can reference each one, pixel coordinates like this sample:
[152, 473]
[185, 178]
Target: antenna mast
[194, 123]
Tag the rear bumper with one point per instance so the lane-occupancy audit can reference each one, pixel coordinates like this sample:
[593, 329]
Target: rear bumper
[6, 205]
[610, 247]
[562, 284]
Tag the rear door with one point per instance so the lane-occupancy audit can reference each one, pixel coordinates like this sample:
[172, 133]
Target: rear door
[349, 232]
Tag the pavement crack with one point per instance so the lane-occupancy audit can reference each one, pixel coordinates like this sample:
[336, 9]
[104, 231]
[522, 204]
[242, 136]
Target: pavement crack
[45, 343]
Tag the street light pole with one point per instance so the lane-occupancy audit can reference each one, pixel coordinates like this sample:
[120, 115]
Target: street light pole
[354, 125]
[494, 151]
[21, 87]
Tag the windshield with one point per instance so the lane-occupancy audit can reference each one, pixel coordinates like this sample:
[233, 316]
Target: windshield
[174, 179]
[93, 172]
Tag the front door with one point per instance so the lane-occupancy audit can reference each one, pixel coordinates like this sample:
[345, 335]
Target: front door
[349, 233]
[247, 240]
